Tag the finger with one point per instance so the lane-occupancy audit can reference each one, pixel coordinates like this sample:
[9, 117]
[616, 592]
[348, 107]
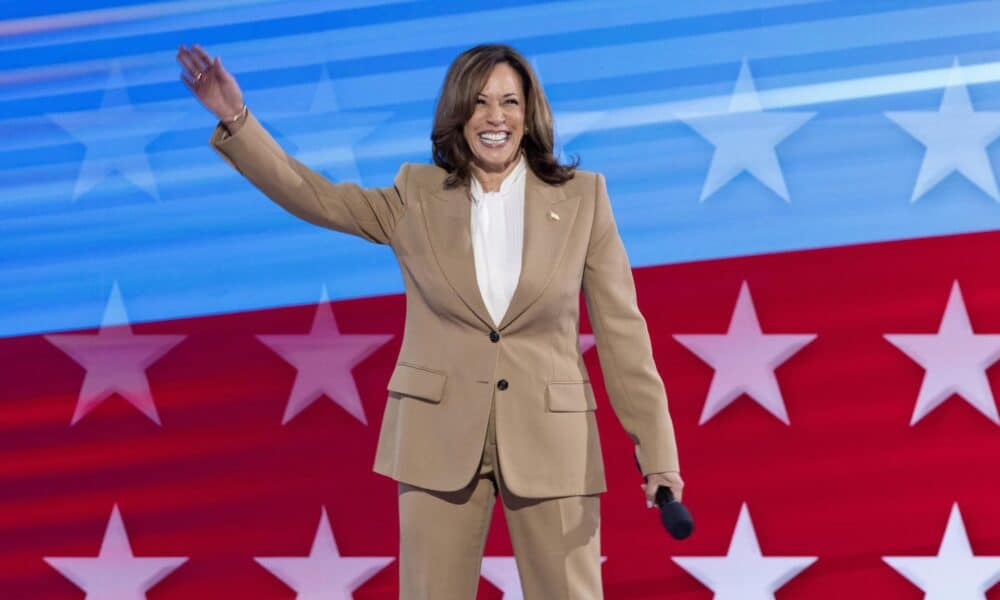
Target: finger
[221, 70]
[218, 63]
[203, 59]
[645, 492]
[189, 82]
[650, 491]
[190, 59]
[188, 62]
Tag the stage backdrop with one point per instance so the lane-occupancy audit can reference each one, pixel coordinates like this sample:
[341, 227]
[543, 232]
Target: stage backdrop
[192, 380]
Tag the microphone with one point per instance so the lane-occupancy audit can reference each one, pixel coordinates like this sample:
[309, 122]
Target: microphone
[674, 516]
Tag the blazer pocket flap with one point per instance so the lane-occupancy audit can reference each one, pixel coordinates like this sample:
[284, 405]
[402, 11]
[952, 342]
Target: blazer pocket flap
[418, 382]
[571, 396]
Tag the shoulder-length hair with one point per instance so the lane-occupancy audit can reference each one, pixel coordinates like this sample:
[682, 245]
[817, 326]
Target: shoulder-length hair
[466, 77]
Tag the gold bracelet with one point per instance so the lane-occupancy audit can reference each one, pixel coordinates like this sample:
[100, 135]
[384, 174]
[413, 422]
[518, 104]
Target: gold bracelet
[243, 111]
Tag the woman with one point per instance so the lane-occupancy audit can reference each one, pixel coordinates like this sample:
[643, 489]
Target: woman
[490, 394]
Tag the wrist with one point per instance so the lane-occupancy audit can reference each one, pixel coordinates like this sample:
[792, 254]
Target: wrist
[234, 117]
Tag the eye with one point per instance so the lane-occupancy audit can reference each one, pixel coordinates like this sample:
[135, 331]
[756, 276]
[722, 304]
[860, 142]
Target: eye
[512, 101]
[480, 101]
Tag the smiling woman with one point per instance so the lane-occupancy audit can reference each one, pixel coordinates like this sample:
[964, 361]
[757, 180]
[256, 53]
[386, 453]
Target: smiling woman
[491, 108]
[489, 396]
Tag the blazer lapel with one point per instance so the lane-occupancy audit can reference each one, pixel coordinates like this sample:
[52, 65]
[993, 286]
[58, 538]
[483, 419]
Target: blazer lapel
[544, 241]
[448, 217]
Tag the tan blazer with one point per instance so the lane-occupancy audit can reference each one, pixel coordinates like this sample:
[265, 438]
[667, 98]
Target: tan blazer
[454, 360]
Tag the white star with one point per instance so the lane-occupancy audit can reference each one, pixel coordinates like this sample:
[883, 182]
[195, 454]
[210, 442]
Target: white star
[744, 359]
[570, 124]
[744, 573]
[115, 359]
[324, 358]
[115, 137]
[326, 141]
[324, 574]
[115, 573]
[956, 138]
[745, 138]
[501, 571]
[955, 573]
[586, 342]
[955, 359]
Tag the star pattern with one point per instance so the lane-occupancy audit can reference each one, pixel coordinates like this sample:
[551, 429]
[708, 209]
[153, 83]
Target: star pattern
[744, 359]
[955, 360]
[115, 360]
[745, 138]
[324, 358]
[324, 574]
[115, 573]
[955, 573]
[955, 136]
[329, 142]
[744, 573]
[502, 573]
[116, 136]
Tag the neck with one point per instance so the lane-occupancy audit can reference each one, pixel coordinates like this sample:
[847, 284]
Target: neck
[491, 180]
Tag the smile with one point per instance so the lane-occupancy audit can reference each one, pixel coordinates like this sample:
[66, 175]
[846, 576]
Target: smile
[494, 139]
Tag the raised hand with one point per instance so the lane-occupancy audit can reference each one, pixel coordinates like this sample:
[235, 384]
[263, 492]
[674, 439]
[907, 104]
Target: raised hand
[209, 81]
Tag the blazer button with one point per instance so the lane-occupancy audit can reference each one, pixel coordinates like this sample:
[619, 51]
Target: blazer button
[494, 337]
[502, 385]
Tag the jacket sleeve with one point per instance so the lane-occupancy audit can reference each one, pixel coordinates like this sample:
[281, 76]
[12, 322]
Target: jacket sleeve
[370, 213]
[634, 386]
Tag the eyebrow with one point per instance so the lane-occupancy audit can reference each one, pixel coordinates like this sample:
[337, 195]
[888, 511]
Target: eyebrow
[504, 96]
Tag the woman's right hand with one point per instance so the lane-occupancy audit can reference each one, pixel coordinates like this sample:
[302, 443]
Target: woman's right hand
[215, 88]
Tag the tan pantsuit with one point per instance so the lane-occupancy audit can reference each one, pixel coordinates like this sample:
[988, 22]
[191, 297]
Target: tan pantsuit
[460, 378]
[556, 541]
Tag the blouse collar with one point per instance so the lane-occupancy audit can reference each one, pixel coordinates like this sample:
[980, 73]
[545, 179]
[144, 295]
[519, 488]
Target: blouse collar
[515, 177]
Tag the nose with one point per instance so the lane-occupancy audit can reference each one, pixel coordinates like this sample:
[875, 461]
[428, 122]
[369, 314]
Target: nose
[495, 115]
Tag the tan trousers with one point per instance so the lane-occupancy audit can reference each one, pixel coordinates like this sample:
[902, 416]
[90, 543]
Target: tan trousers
[442, 534]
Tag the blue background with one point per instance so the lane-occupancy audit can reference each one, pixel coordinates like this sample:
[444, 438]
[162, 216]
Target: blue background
[106, 174]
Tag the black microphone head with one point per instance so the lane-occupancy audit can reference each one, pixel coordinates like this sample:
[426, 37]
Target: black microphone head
[676, 520]
[675, 516]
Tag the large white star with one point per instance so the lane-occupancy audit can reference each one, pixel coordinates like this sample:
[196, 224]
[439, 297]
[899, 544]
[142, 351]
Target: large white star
[324, 358]
[501, 571]
[955, 359]
[115, 359]
[115, 573]
[956, 138]
[744, 573]
[115, 136]
[744, 359]
[324, 574]
[327, 142]
[955, 573]
[745, 138]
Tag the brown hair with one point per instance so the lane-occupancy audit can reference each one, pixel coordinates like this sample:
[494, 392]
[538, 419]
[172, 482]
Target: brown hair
[465, 79]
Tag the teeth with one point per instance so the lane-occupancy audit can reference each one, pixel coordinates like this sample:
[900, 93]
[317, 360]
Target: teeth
[494, 138]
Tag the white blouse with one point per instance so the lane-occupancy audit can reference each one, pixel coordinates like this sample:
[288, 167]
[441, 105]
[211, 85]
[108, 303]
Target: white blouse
[497, 239]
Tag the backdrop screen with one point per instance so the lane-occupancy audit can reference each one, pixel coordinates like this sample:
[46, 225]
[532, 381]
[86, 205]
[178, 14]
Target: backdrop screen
[192, 380]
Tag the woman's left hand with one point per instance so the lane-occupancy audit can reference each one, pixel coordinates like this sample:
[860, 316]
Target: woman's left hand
[670, 479]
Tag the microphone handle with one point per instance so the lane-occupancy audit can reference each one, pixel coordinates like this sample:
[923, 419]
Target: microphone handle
[674, 516]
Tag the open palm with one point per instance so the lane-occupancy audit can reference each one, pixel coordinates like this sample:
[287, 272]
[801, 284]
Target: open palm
[215, 88]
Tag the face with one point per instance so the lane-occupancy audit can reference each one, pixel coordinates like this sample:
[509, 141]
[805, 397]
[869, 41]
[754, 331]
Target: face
[495, 129]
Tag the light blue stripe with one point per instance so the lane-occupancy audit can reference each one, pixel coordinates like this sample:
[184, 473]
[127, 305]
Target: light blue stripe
[213, 244]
